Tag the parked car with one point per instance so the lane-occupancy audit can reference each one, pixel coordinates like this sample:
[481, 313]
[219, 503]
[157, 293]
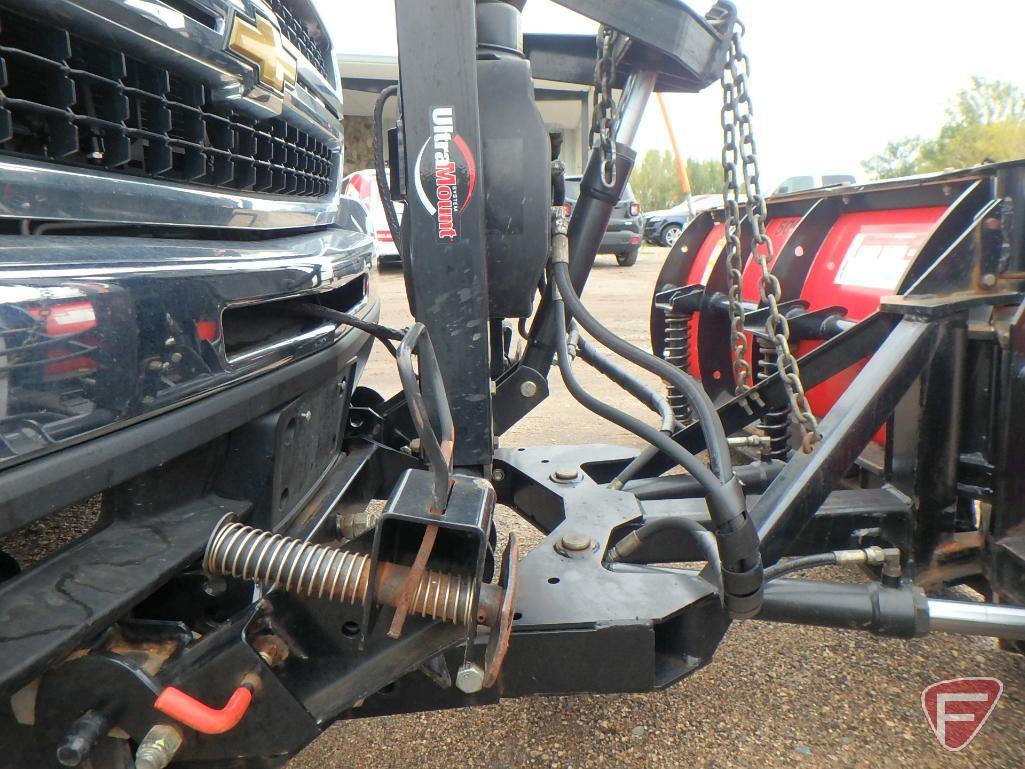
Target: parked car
[663, 228]
[362, 186]
[623, 235]
[811, 182]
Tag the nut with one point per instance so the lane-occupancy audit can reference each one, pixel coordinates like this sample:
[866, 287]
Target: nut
[528, 389]
[470, 678]
[271, 649]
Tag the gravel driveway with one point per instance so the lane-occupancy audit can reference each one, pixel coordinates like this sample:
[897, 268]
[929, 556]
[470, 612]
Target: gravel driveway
[775, 696]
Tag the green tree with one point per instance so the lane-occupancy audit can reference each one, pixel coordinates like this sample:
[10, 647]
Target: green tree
[985, 123]
[656, 184]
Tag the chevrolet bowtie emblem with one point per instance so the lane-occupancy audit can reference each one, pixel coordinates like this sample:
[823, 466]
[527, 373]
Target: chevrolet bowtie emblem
[261, 45]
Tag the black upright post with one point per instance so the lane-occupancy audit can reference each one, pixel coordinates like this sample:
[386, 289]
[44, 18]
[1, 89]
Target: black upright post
[447, 267]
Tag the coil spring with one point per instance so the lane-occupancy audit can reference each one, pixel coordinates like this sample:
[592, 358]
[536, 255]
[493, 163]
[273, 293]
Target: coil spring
[775, 424]
[677, 352]
[318, 571]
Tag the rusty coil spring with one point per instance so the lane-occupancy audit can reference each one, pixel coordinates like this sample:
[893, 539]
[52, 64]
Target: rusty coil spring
[677, 352]
[319, 571]
[775, 423]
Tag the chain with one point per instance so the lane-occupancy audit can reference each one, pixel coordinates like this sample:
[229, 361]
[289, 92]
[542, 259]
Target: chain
[736, 122]
[604, 118]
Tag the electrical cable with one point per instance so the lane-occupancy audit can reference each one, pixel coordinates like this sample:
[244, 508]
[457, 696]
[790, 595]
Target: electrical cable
[384, 334]
[380, 173]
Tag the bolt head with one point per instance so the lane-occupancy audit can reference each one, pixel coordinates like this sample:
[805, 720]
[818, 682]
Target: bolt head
[575, 541]
[498, 475]
[989, 280]
[470, 678]
[566, 474]
[528, 389]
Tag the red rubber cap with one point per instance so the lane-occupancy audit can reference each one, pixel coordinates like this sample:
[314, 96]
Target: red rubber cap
[203, 718]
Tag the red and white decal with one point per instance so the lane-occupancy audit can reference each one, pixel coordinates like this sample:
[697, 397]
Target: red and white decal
[446, 173]
[958, 708]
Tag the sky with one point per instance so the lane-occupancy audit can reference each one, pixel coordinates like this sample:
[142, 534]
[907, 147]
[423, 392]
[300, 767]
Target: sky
[831, 82]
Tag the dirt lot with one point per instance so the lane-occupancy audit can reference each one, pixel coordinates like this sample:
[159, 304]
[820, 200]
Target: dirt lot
[775, 696]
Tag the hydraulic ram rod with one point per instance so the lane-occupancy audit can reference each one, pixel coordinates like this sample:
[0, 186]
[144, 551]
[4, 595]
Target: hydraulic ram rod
[967, 618]
[902, 612]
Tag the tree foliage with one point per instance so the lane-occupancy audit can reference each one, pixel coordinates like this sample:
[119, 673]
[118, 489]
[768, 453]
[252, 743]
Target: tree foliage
[656, 184]
[984, 123]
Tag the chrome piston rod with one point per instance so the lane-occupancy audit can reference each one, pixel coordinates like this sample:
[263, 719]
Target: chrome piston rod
[985, 619]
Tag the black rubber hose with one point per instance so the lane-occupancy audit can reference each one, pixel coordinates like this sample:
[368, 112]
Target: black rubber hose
[379, 171]
[383, 334]
[755, 477]
[642, 430]
[704, 409]
[635, 539]
[799, 564]
[649, 396]
[647, 454]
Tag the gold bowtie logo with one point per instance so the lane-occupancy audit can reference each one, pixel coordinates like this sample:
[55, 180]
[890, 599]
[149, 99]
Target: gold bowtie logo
[261, 45]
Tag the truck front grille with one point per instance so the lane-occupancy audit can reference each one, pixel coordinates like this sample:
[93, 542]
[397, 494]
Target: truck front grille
[68, 100]
[296, 32]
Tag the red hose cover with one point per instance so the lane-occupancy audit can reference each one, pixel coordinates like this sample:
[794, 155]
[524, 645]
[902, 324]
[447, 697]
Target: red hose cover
[203, 718]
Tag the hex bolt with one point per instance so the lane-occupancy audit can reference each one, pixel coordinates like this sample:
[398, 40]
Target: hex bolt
[169, 342]
[988, 280]
[528, 389]
[306, 415]
[498, 475]
[470, 678]
[575, 541]
[176, 357]
[565, 474]
[158, 747]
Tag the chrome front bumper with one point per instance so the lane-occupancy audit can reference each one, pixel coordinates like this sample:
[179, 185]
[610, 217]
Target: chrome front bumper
[98, 333]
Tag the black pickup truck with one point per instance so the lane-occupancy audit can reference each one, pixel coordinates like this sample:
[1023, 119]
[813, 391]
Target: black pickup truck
[171, 228]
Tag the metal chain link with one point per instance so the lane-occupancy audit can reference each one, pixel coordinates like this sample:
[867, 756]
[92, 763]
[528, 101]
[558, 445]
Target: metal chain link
[737, 113]
[605, 117]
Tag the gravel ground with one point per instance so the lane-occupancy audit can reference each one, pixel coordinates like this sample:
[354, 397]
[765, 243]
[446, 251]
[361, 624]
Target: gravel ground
[775, 695]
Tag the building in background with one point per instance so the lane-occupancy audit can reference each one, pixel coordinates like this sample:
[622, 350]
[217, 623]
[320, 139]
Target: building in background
[564, 107]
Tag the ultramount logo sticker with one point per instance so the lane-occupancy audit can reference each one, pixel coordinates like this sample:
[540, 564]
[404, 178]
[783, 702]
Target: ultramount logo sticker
[446, 173]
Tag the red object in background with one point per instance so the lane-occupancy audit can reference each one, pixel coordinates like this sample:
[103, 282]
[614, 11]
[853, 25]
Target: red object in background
[700, 269]
[77, 317]
[863, 259]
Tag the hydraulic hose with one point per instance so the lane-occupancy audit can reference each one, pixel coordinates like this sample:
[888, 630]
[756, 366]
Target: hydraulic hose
[799, 564]
[633, 541]
[379, 170]
[739, 554]
[642, 430]
[704, 409]
[649, 396]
